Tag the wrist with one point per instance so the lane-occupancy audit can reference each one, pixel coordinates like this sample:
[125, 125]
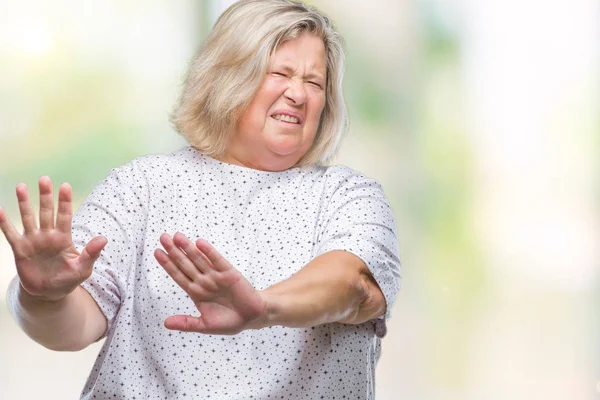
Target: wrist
[26, 309]
[25, 296]
[267, 317]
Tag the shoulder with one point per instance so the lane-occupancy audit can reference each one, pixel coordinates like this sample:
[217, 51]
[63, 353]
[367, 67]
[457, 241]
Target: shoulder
[340, 179]
[152, 165]
[137, 178]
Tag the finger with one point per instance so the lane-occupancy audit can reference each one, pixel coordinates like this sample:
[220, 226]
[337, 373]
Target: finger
[185, 323]
[179, 258]
[65, 208]
[46, 204]
[8, 229]
[91, 252]
[198, 259]
[27, 215]
[218, 261]
[174, 272]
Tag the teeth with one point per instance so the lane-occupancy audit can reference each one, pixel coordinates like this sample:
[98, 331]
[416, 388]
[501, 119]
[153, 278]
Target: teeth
[286, 118]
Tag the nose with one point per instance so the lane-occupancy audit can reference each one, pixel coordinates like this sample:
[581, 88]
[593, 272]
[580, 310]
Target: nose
[295, 93]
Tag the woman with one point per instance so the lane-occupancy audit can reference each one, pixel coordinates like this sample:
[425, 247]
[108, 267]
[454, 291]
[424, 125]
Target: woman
[281, 270]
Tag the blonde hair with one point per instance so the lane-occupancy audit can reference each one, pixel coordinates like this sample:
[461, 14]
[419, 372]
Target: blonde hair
[230, 67]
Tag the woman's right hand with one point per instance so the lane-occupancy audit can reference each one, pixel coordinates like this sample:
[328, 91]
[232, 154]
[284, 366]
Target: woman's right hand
[48, 264]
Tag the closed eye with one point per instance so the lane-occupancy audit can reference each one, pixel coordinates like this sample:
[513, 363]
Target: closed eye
[316, 84]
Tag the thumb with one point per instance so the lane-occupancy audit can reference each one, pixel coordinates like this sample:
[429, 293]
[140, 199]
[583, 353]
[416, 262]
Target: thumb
[185, 323]
[92, 251]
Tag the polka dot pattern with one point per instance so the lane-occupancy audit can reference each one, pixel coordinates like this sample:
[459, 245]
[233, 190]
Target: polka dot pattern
[268, 225]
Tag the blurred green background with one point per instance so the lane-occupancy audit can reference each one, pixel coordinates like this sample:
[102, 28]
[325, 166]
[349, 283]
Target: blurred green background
[480, 119]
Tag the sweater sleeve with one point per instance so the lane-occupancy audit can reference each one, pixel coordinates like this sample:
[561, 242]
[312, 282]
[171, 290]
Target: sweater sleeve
[117, 210]
[358, 219]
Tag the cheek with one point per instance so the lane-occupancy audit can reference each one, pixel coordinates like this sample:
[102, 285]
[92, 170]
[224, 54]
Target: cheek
[254, 117]
[261, 103]
[317, 112]
[270, 91]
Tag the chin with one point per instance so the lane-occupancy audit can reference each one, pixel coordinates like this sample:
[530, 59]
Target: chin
[283, 151]
[285, 147]
[285, 158]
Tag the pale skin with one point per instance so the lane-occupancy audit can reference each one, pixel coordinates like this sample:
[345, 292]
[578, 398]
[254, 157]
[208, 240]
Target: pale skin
[49, 304]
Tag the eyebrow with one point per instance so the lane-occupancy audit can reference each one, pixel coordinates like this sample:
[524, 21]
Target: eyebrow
[310, 75]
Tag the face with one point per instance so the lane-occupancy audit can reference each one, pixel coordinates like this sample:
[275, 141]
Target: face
[281, 122]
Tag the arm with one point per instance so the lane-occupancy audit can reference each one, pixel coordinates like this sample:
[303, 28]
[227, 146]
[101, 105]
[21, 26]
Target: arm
[69, 324]
[45, 298]
[334, 287]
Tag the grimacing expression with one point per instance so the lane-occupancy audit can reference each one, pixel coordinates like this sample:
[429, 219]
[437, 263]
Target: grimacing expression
[281, 122]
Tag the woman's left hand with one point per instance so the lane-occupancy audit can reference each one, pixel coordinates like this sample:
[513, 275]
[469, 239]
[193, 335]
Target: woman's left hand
[227, 302]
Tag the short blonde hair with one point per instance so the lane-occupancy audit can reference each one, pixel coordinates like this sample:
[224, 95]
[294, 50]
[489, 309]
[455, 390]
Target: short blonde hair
[230, 67]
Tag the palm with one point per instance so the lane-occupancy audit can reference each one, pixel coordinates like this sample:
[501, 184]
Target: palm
[238, 305]
[226, 300]
[46, 257]
[47, 262]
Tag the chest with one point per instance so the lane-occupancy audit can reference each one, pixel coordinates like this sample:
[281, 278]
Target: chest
[268, 234]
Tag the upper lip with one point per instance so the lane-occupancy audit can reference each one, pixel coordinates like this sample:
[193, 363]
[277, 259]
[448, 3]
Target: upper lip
[290, 113]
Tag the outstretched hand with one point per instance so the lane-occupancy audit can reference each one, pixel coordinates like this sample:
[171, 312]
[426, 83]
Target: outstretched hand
[227, 302]
[48, 264]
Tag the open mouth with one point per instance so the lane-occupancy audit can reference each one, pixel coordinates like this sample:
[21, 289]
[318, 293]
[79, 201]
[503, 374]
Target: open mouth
[286, 118]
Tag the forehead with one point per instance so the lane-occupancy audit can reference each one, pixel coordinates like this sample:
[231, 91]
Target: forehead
[306, 49]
